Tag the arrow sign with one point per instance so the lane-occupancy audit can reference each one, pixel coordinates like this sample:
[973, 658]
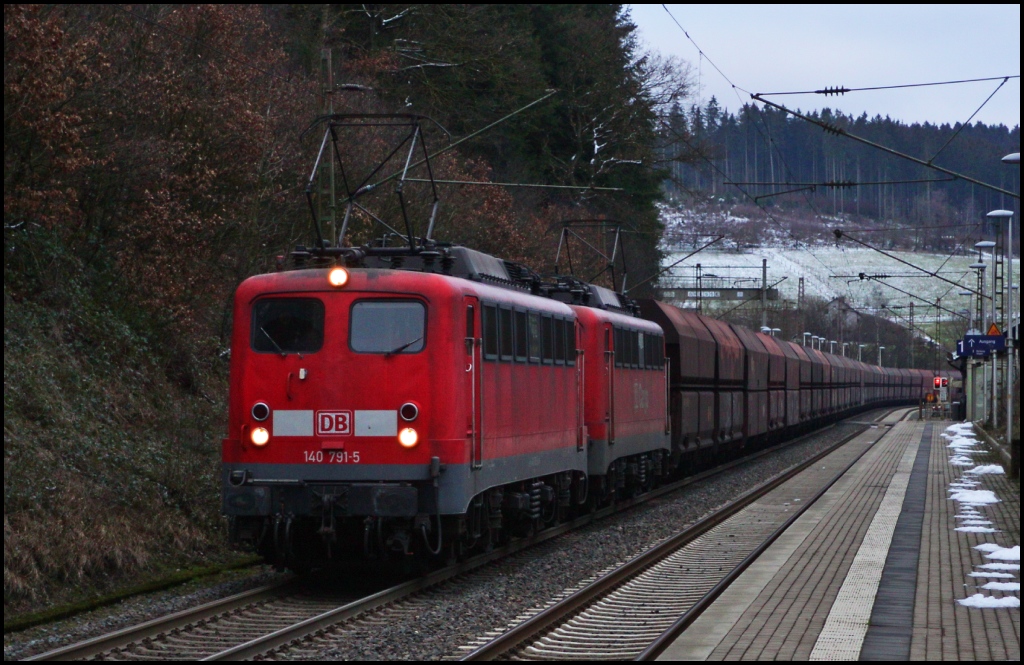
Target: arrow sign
[981, 346]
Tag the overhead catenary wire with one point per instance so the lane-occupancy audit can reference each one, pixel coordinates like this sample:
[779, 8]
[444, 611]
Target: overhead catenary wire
[842, 90]
[968, 121]
[771, 144]
[841, 184]
[839, 131]
[912, 295]
[754, 199]
[841, 234]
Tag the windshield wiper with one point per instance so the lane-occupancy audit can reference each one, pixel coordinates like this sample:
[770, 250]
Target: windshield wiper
[403, 347]
[274, 342]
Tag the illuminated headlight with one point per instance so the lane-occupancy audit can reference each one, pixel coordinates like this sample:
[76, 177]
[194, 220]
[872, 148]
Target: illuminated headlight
[260, 436]
[408, 438]
[338, 277]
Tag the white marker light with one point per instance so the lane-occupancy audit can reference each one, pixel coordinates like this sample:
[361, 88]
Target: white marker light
[260, 436]
[408, 438]
[338, 277]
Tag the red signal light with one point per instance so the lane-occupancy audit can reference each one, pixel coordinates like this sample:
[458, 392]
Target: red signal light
[945, 382]
[938, 382]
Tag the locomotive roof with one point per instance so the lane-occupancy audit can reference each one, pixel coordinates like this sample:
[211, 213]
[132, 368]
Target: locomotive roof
[394, 281]
[461, 262]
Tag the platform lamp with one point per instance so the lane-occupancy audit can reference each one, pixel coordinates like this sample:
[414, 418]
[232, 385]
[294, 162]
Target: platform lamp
[806, 335]
[832, 347]
[845, 344]
[998, 217]
[860, 352]
[981, 247]
[880, 349]
[1012, 159]
[776, 331]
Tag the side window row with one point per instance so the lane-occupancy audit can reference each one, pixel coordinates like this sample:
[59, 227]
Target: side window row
[639, 350]
[518, 336]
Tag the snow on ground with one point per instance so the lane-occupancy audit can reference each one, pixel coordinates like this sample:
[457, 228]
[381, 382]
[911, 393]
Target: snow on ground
[971, 500]
[1000, 566]
[988, 547]
[974, 497]
[963, 443]
[1008, 554]
[983, 602]
[989, 469]
[817, 264]
[976, 529]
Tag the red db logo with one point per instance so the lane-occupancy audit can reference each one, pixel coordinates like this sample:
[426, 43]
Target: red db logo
[334, 423]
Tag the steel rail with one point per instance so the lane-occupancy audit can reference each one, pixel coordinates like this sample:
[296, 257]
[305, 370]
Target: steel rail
[148, 630]
[103, 643]
[577, 601]
[268, 643]
[669, 636]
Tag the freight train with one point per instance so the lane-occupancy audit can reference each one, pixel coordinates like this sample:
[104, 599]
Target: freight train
[430, 402]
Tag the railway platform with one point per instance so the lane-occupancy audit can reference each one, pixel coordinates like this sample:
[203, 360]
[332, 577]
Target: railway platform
[913, 555]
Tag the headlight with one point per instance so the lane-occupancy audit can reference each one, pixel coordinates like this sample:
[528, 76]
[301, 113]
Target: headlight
[260, 411]
[409, 412]
[338, 277]
[408, 438]
[260, 436]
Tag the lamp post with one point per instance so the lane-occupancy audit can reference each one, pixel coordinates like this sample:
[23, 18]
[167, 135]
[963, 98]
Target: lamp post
[806, 335]
[776, 331]
[981, 247]
[860, 353]
[845, 344]
[998, 216]
[880, 349]
[832, 346]
[1013, 159]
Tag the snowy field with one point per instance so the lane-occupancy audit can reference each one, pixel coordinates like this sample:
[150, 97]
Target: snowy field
[830, 271]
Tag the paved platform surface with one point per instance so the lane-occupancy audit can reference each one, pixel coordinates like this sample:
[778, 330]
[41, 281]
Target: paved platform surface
[877, 569]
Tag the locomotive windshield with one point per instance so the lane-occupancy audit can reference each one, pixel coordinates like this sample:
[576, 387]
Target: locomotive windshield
[287, 325]
[388, 326]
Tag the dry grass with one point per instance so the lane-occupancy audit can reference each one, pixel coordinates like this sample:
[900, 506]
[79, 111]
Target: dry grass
[109, 464]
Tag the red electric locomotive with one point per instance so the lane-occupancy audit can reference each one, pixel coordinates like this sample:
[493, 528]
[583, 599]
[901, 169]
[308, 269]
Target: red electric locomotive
[625, 398]
[379, 411]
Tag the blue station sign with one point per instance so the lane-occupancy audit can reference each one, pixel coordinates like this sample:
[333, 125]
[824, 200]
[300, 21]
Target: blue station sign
[980, 346]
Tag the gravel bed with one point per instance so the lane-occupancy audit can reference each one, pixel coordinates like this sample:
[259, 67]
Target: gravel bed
[459, 612]
[133, 611]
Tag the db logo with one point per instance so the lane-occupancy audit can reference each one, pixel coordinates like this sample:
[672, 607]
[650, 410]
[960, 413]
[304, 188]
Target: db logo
[333, 423]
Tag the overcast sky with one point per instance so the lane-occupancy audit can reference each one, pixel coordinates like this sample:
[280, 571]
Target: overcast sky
[775, 48]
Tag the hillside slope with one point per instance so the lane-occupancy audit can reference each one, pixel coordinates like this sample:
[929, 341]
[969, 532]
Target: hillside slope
[110, 454]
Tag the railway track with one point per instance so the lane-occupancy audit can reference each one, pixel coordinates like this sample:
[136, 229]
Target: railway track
[634, 611]
[290, 616]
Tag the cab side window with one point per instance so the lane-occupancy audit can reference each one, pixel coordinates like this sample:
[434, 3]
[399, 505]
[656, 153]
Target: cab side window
[490, 331]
